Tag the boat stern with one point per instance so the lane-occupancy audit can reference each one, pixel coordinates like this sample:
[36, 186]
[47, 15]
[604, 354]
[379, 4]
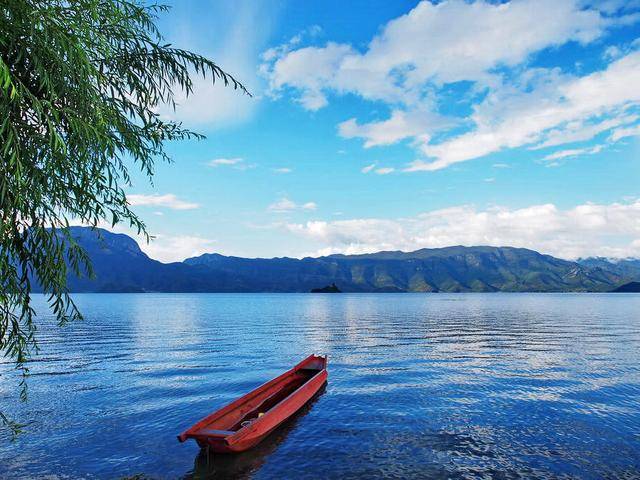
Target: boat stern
[253, 416]
[314, 362]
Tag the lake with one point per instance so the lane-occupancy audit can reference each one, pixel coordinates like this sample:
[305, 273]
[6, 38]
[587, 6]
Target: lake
[420, 385]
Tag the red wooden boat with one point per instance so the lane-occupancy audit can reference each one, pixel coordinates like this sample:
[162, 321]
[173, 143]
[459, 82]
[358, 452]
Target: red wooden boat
[245, 422]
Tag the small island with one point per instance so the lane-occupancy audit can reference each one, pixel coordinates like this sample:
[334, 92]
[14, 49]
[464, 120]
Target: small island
[328, 289]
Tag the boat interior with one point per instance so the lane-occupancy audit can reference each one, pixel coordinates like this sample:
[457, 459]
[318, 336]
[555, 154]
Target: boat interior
[253, 406]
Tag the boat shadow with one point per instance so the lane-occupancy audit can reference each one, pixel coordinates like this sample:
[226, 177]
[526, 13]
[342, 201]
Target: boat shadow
[209, 465]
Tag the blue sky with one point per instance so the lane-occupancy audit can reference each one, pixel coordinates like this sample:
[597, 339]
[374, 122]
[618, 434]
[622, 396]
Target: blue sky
[402, 125]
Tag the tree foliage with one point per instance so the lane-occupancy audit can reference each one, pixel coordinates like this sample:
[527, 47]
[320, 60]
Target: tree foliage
[80, 83]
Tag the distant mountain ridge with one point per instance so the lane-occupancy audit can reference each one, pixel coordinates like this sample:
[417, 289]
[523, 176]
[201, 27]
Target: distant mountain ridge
[121, 266]
[623, 267]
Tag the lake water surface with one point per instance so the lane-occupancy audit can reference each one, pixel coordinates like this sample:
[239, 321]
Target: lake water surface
[439, 385]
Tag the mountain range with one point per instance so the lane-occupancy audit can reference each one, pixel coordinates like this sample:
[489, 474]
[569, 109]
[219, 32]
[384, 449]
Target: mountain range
[121, 266]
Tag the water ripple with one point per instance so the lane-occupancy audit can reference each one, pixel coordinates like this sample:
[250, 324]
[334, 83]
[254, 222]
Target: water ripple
[439, 386]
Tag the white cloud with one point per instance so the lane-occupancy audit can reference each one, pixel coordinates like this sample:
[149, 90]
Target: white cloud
[501, 165]
[612, 52]
[168, 248]
[510, 118]
[236, 163]
[408, 64]
[282, 170]
[611, 7]
[377, 171]
[574, 152]
[285, 205]
[280, 50]
[443, 43]
[625, 132]
[589, 229]
[401, 125]
[580, 130]
[168, 200]
[312, 31]
[224, 161]
[236, 32]
[212, 105]
[309, 70]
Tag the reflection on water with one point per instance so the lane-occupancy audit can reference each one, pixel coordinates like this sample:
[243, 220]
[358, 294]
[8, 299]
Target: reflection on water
[219, 466]
[442, 386]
